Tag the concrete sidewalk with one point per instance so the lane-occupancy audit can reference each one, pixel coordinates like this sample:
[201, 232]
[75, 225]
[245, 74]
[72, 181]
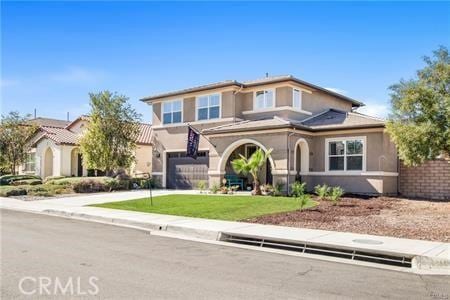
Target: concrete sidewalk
[425, 255]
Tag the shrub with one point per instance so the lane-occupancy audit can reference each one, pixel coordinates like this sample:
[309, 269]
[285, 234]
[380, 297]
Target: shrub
[201, 185]
[90, 186]
[277, 189]
[114, 184]
[10, 179]
[214, 188]
[298, 188]
[27, 182]
[323, 191]
[306, 201]
[40, 190]
[267, 189]
[13, 191]
[336, 194]
[224, 189]
[49, 179]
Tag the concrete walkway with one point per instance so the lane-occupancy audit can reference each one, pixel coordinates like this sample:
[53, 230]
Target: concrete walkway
[426, 255]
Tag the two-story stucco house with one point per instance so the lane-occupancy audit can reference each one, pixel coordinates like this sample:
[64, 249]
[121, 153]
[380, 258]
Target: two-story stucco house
[315, 134]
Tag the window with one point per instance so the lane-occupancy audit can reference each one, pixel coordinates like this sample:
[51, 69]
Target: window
[208, 107]
[29, 165]
[296, 99]
[264, 99]
[346, 154]
[172, 112]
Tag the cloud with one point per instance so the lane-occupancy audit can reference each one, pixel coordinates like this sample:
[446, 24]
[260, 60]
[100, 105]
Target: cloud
[336, 90]
[8, 82]
[375, 110]
[76, 74]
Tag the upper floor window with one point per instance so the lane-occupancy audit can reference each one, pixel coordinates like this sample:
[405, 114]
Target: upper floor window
[208, 107]
[264, 99]
[297, 99]
[172, 112]
[346, 154]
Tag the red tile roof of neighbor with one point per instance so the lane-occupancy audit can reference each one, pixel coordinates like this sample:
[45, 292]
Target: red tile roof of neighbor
[59, 132]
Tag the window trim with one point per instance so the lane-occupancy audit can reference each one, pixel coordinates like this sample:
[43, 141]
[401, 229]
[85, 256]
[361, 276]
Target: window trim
[196, 107]
[345, 139]
[301, 99]
[28, 163]
[162, 112]
[273, 90]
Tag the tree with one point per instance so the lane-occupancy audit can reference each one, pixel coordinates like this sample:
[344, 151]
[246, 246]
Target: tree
[109, 141]
[252, 166]
[420, 121]
[15, 132]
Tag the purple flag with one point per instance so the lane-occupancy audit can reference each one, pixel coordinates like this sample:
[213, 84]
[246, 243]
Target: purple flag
[192, 144]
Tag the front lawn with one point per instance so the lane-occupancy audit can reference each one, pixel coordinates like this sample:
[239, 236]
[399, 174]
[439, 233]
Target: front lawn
[232, 208]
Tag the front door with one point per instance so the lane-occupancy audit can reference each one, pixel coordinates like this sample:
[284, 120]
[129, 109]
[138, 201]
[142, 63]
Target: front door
[269, 178]
[80, 165]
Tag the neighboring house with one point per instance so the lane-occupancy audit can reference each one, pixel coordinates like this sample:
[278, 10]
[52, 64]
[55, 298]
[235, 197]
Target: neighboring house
[55, 149]
[315, 135]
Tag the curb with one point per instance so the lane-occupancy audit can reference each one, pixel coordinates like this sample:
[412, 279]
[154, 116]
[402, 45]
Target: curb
[422, 264]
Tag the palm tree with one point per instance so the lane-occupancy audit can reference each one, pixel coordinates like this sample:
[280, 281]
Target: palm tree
[252, 166]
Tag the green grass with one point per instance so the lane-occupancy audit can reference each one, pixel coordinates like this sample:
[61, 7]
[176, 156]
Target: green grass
[231, 208]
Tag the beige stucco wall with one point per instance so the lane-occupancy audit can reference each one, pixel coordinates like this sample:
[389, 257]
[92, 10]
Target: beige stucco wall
[381, 152]
[234, 102]
[143, 163]
[156, 118]
[318, 101]
[357, 184]
[283, 96]
[61, 158]
[79, 126]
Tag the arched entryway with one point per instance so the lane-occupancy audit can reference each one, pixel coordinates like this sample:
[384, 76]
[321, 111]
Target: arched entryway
[244, 147]
[301, 158]
[76, 166]
[48, 162]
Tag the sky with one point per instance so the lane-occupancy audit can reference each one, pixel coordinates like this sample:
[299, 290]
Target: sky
[53, 54]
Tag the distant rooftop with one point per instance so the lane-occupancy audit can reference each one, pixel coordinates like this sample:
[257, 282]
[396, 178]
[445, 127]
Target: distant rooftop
[50, 122]
[251, 83]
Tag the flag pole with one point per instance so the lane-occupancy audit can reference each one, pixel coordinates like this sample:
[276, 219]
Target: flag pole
[197, 131]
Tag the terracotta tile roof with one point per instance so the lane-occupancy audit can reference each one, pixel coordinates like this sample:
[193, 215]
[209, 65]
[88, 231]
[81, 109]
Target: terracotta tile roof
[328, 120]
[50, 122]
[145, 134]
[58, 135]
[251, 83]
[63, 134]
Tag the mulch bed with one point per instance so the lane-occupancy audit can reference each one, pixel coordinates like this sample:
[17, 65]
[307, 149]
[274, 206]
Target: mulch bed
[386, 216]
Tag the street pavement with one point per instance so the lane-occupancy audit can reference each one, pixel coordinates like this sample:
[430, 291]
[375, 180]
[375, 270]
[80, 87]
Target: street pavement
[44, 255]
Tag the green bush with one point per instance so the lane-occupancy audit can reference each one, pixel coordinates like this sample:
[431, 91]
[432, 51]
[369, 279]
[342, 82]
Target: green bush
[50, 179]
[10, 179]
[8, 191]
[277, 189]
[298, 188]
[214, 188]
[336, 194]
[323, 191]
[27, 182]
[201, 185]
[306, 201]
